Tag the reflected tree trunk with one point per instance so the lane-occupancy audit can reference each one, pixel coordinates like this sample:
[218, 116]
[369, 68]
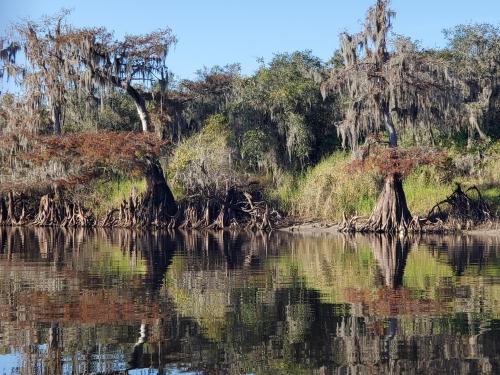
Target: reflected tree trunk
[390, 253]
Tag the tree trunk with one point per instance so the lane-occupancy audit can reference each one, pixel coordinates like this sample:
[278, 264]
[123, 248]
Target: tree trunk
[391, 214]
[158, 204]
[56, 119]
[157, 188]
[140, 105]
[391, 131]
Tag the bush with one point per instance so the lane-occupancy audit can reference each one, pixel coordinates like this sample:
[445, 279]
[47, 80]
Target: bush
[330, 188]
[204, 160]
[424, 187]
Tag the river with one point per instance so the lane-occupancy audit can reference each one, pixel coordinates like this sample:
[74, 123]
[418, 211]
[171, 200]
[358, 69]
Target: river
[76, 301]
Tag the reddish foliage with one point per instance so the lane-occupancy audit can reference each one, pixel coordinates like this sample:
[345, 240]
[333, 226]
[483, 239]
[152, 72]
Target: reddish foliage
[213, 83]
[85, 155]
[387, 302]
[397, 160]
[115, 148]
[119, 149]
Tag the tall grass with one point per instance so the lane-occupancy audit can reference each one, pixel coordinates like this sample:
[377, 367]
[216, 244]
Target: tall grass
[424, 187]
[110, 193]
[329, 189]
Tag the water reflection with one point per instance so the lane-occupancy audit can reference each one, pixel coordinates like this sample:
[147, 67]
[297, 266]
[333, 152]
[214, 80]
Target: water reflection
[79, 301]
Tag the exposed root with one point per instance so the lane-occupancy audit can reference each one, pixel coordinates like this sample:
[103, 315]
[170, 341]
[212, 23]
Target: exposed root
[390, 214]
[348, 225]
[234, 209]
[54, 210]
[460, 209]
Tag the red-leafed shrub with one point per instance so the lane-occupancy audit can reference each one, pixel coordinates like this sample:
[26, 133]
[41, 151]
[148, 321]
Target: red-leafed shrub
[401, 161]
[31, 161]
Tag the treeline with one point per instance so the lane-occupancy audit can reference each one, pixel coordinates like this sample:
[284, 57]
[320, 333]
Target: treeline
[224, 128]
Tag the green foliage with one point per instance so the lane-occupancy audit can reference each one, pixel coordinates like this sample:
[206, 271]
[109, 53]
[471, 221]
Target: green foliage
[328, 190]
[424, 187]
[474, 46]
[254, 148]
[108, 193]
[282, 101]
[204, 160]
[474, 50]
[191, 102]
[284, 191]
[115, 112]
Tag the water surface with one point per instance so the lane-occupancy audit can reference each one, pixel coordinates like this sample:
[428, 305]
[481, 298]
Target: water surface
[78, 302]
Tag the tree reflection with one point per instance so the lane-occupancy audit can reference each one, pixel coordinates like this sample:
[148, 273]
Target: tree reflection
[390, 253]
[74, 301]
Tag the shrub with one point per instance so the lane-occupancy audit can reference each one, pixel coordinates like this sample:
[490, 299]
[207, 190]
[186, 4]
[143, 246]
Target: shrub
[204, 160]
[109, 193]
[333, 187]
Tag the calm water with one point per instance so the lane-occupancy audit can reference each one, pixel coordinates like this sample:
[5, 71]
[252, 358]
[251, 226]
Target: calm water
[73, 301]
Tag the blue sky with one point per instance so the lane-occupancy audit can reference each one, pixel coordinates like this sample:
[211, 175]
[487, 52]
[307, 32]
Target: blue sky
[219, 32]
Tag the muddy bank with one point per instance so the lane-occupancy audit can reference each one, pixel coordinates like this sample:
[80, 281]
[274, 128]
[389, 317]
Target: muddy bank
[322, 228]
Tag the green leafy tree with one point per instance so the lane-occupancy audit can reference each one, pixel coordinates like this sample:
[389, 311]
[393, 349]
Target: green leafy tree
[282, 101]
[474, 51]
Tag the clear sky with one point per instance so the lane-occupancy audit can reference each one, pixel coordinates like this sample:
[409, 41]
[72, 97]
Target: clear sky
[219, 32]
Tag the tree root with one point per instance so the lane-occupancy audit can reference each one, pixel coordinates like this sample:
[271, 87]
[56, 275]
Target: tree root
[461, 210]
[390, 214]
[458, 211]
[55, 210]
[234, 209]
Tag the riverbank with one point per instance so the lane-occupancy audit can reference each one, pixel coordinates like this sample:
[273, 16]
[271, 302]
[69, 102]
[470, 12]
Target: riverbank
[117, 187]
[321, 228]
[332, 188]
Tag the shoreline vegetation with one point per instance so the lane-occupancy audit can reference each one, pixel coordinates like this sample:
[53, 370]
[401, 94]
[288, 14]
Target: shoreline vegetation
[386, 136]
[312, 203]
